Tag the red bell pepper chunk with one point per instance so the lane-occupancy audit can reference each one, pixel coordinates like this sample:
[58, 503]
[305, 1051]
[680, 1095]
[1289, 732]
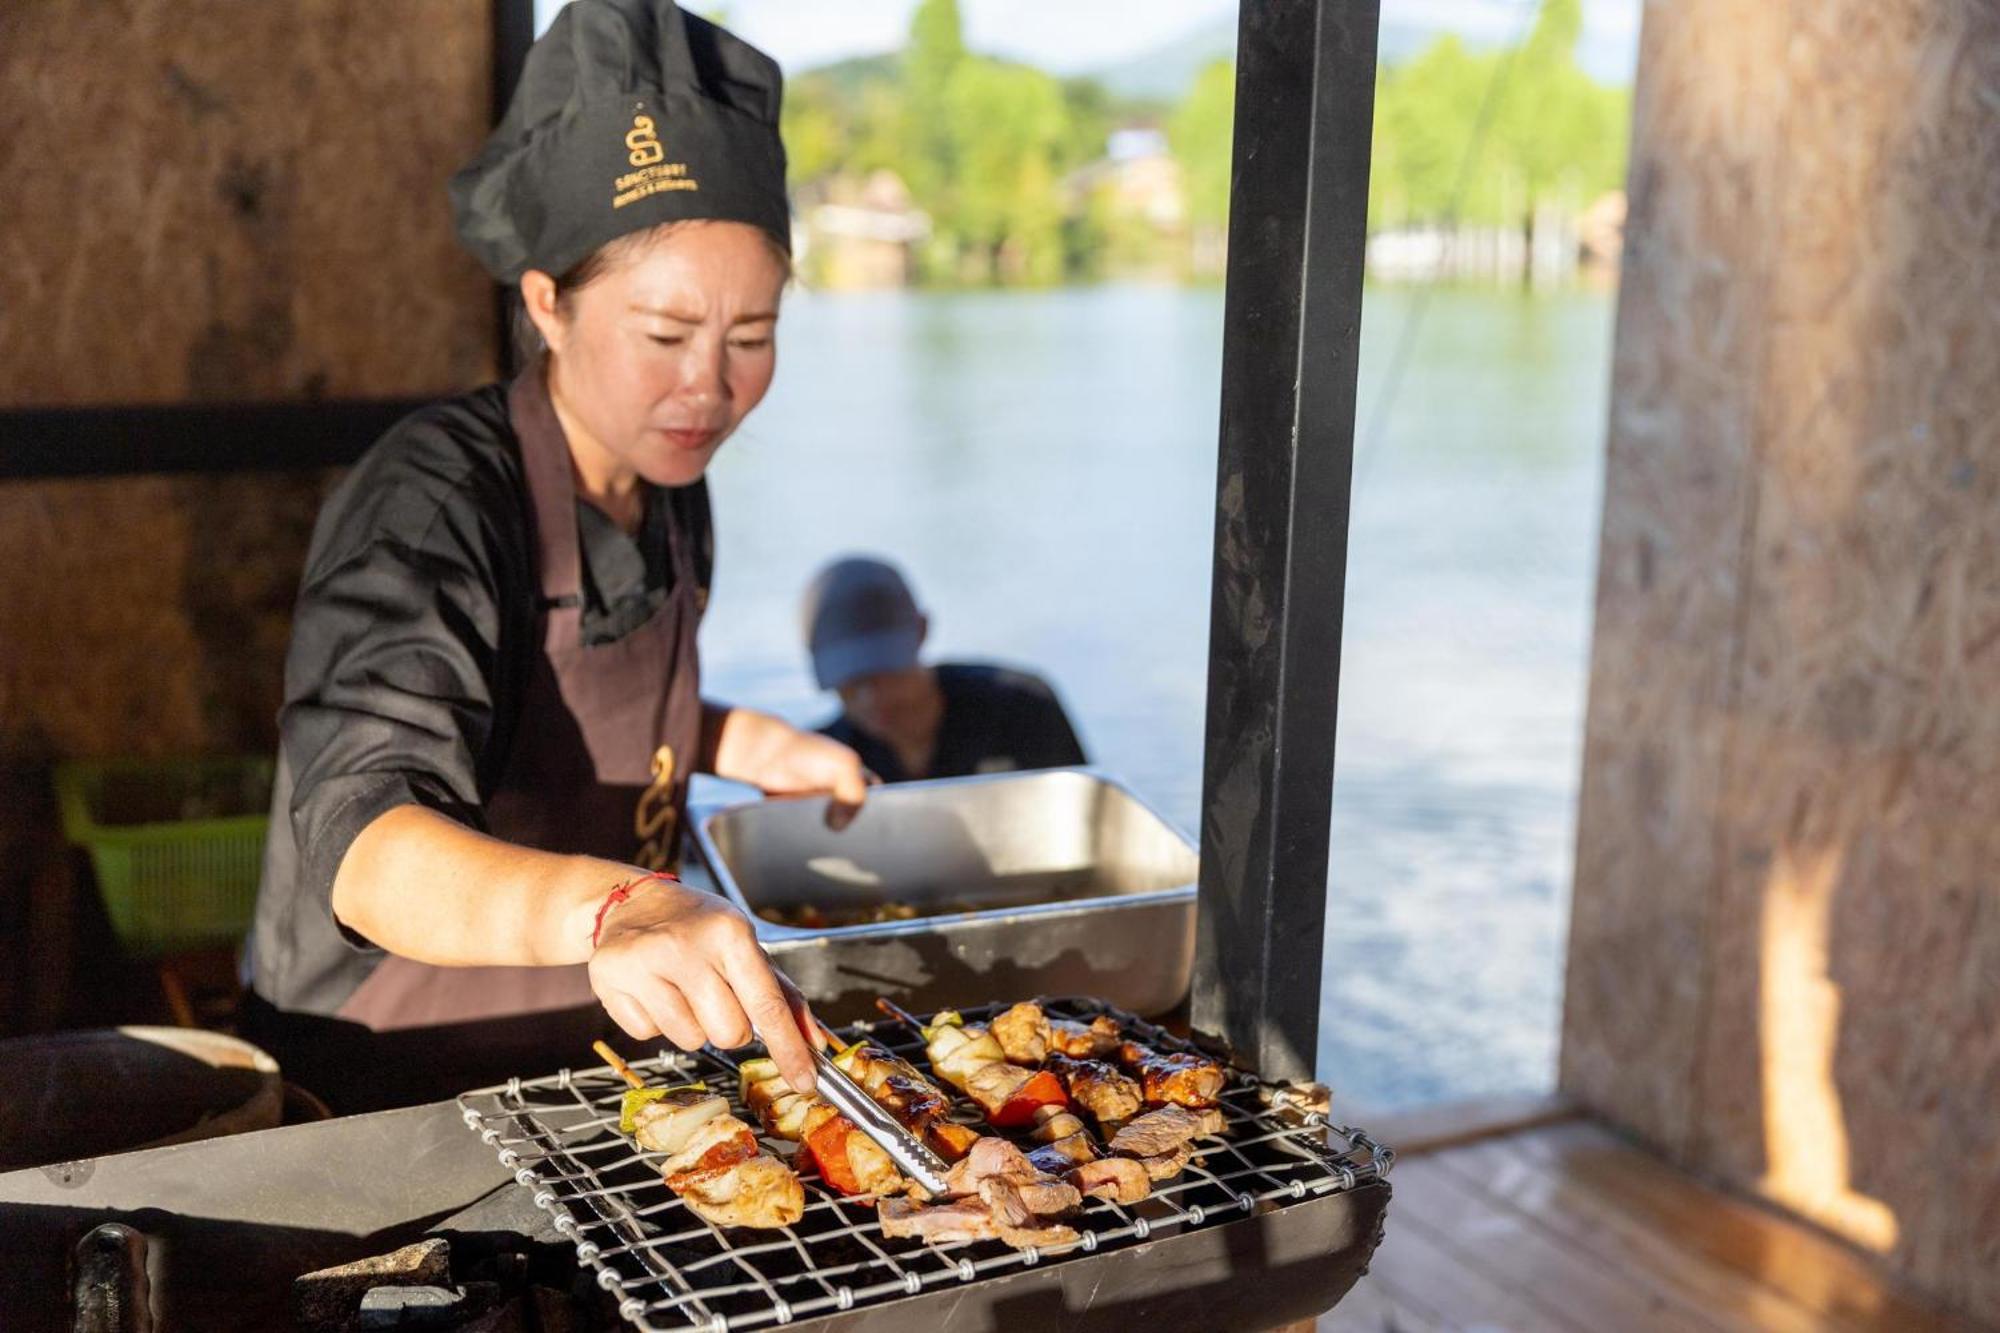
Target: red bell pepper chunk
[827, 1143]
[1044, 1089]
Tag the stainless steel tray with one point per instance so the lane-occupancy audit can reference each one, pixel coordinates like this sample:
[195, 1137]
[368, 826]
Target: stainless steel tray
[1080, 887]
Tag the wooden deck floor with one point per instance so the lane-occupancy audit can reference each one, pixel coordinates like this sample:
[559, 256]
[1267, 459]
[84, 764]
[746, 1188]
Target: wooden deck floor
[1564, 1226]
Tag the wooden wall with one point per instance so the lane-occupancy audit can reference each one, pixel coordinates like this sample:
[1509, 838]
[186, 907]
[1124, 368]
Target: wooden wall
[1784, 962]
[207, 201]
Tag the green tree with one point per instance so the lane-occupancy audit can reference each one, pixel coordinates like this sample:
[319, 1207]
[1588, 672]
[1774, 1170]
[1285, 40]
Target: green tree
[1006, 125]
[1201, 133]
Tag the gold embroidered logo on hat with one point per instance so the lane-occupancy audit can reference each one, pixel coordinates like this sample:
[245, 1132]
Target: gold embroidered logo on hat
[642, 143]
[644, 150]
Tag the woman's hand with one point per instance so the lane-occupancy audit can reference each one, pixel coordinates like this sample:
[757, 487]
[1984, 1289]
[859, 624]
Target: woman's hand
[685, 965]
[780, 760]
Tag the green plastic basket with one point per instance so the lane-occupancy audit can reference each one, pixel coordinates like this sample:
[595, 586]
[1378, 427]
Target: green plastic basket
[177, 845]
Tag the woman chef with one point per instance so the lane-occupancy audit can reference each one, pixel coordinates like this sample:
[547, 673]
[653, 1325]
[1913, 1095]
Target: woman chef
[492, 698]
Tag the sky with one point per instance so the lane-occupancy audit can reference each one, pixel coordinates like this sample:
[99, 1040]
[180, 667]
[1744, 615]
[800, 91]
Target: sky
[1073, 36]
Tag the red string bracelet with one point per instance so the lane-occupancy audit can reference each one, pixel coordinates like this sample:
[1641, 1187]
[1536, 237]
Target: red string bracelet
[620, 894]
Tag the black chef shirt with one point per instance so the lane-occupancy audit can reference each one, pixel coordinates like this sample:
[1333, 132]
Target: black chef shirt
[414, 634]
[996, 720]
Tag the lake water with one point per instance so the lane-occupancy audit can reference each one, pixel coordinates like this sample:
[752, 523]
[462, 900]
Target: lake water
[1043, 466]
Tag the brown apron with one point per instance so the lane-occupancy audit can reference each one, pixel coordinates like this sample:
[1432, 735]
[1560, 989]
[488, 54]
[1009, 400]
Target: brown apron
[599, 765]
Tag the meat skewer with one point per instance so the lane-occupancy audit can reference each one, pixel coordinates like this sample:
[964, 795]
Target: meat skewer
[1028, 1036]
[848, 1160]
[713, 1161]
[972, 1060]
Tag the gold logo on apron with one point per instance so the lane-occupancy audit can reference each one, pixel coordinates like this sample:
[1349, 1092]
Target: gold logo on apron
[656, 819]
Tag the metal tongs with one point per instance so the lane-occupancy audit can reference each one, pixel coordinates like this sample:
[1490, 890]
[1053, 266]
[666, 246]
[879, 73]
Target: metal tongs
[909, 1154]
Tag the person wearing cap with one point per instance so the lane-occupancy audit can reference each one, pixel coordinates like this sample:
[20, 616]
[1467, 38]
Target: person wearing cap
[492, 695]
[865, 633]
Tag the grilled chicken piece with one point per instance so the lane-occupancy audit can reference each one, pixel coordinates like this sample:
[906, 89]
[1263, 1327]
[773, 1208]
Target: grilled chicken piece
[1097, 1041]
[666, 1123]
[720, 1142]
[1097, 1087]
[1119, 1179]
[1164, 1130]
[761, 1192]
[1053, 1125]
[971, 1060]
[1173, 1077]
[1023, 1033]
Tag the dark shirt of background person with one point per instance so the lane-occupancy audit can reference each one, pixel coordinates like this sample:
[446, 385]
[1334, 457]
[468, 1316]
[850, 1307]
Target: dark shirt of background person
[865, 633]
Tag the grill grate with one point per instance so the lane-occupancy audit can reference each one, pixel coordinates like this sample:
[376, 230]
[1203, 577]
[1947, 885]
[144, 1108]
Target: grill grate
[670, 1269]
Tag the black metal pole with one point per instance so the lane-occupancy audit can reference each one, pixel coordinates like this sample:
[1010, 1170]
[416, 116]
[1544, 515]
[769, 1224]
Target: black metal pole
[1305, 92]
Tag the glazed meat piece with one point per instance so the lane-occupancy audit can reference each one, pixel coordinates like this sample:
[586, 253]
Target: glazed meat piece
[1164, 1130]
[1023, 1033]
[761, 1192]
[1173, 1077]
[1119, 1179]
[1097, 1087]
[1097, 1040]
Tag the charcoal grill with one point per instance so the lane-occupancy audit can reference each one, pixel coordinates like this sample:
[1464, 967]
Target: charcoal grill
[670, 1269]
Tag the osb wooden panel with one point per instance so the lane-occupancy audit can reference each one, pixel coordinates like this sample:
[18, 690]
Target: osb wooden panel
[1853, 1067]
[1849, 1064]
[148, 615]
[1677, 497]
[214, 199]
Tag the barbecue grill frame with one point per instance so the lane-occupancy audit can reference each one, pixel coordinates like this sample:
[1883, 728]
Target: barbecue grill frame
[557, 1136]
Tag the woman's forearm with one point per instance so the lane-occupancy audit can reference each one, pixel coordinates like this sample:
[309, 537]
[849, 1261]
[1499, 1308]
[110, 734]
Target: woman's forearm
[736, 742]
[428, 888]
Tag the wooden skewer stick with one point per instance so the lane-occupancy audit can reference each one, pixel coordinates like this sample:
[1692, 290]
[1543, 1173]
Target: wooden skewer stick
[617, 1062]
[897, 1011]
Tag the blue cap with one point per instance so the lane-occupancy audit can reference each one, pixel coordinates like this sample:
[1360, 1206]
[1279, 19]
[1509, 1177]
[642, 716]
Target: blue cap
[859, 618]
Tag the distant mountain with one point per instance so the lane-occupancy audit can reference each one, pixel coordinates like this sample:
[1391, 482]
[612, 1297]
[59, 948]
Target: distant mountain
[1166, 71]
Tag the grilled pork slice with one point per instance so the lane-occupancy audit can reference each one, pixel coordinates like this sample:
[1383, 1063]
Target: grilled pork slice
[1167, 1165]
[1119, 1179]
[719, 1142]
[1024, 1203]
[1023, 1033]
[666, 1123]
[1173, 1077]
[1097, 1041]
[761, 1192]
[1097, 1087]
[937, 1223]
[964, 1220]
[1164, 1130]
[990, 1159]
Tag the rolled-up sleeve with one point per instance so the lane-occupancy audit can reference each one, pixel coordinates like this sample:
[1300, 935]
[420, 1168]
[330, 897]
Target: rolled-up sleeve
[390, 692]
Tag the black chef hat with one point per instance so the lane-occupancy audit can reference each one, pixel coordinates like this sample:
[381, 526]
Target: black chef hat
[629, 114]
